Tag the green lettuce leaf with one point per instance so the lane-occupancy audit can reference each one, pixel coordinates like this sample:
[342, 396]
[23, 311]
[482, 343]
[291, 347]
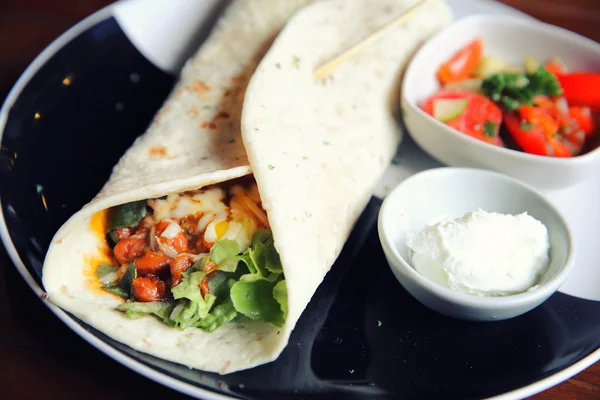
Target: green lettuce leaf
[123, 287]
[262, 257]
[258, 257]
[189, 288]
[253, 297]
[105, 269]
[273, 263]
[280, 295]
[126, 215]
[187, 313]
[261, 236]
[116, 289]
[246, 259]
[220, 315]
[224, 253]
[219, 284]
[160, 309]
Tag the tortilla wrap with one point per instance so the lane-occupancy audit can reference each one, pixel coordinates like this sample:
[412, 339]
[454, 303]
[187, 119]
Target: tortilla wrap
[316, 148]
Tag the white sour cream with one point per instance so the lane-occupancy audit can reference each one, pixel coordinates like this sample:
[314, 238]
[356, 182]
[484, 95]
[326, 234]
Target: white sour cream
[483, 254]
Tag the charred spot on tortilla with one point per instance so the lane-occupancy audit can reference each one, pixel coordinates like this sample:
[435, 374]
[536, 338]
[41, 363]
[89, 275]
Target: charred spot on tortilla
[198, 87]
[158, 152]
[221, 115]
[208, 125]
[200, 258]
[239, 78]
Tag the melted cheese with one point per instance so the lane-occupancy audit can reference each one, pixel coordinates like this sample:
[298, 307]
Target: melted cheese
[193, 203]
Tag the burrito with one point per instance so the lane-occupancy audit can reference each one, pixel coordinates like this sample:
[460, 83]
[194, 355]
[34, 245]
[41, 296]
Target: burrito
[219, 223]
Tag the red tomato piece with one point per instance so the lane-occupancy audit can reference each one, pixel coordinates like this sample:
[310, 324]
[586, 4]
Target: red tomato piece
[555, 67]
[473, 120]
[532, 141]
[583, 116]
[461, 65]
[539, 116]
[540, 136]
[543, 101]
[581, 89]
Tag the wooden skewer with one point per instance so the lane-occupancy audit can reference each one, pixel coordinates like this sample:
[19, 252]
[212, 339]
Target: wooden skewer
[324, 69]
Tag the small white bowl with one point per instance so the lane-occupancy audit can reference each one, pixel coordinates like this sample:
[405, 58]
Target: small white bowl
[451, 193]
[511, 39]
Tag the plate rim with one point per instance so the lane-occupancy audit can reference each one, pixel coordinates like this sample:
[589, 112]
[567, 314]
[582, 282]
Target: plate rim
[123, 359]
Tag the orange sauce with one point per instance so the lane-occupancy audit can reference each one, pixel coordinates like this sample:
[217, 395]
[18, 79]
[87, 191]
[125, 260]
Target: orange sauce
[91, 261]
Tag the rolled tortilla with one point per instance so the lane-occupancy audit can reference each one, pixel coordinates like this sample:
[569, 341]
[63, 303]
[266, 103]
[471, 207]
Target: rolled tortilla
[316, 148]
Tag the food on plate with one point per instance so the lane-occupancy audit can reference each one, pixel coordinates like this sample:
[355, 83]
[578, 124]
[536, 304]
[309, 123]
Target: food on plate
[461, 65]
[468, 112]
[195, 259]
[244, 188]
[539, 109]
[581, 89]
[482, 253]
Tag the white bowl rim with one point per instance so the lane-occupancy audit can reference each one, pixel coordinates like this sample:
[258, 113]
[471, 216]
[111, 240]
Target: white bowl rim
[547, 29]
[492, 303]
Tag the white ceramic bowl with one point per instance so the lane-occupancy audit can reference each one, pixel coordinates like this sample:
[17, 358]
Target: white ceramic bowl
[511, 39]
[451, 193]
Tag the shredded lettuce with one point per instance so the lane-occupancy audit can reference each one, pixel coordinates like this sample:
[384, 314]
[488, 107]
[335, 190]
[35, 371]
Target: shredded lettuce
[224, 253]
[189, 288]
[105, 269]
[254, 299]
[262, 257]
[160, 309]
[220, 315]
[219, 283]
[187, 313]
[258, 292]
[280, 295]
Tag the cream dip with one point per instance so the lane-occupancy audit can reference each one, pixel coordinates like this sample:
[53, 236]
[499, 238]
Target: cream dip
[483, 254]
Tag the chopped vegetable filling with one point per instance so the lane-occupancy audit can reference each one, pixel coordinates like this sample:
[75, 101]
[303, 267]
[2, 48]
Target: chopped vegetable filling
[539, 108]
[196, 259]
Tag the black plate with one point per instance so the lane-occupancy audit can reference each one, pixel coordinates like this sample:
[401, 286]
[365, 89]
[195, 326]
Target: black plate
[361, 335]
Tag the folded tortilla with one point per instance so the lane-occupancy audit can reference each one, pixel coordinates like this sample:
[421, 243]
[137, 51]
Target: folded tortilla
[316, 148]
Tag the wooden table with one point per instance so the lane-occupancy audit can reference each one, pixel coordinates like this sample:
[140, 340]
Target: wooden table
[33, 361]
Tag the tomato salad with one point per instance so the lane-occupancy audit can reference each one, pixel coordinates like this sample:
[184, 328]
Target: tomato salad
[196, 259]
[537, 108]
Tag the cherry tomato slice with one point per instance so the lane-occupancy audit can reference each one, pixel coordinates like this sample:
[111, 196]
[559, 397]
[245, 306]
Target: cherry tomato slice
[479, 111]
[461, 65]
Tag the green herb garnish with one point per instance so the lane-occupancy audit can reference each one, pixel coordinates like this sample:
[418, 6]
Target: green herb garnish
[526, 126]
[512, 89]
[490, 129]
